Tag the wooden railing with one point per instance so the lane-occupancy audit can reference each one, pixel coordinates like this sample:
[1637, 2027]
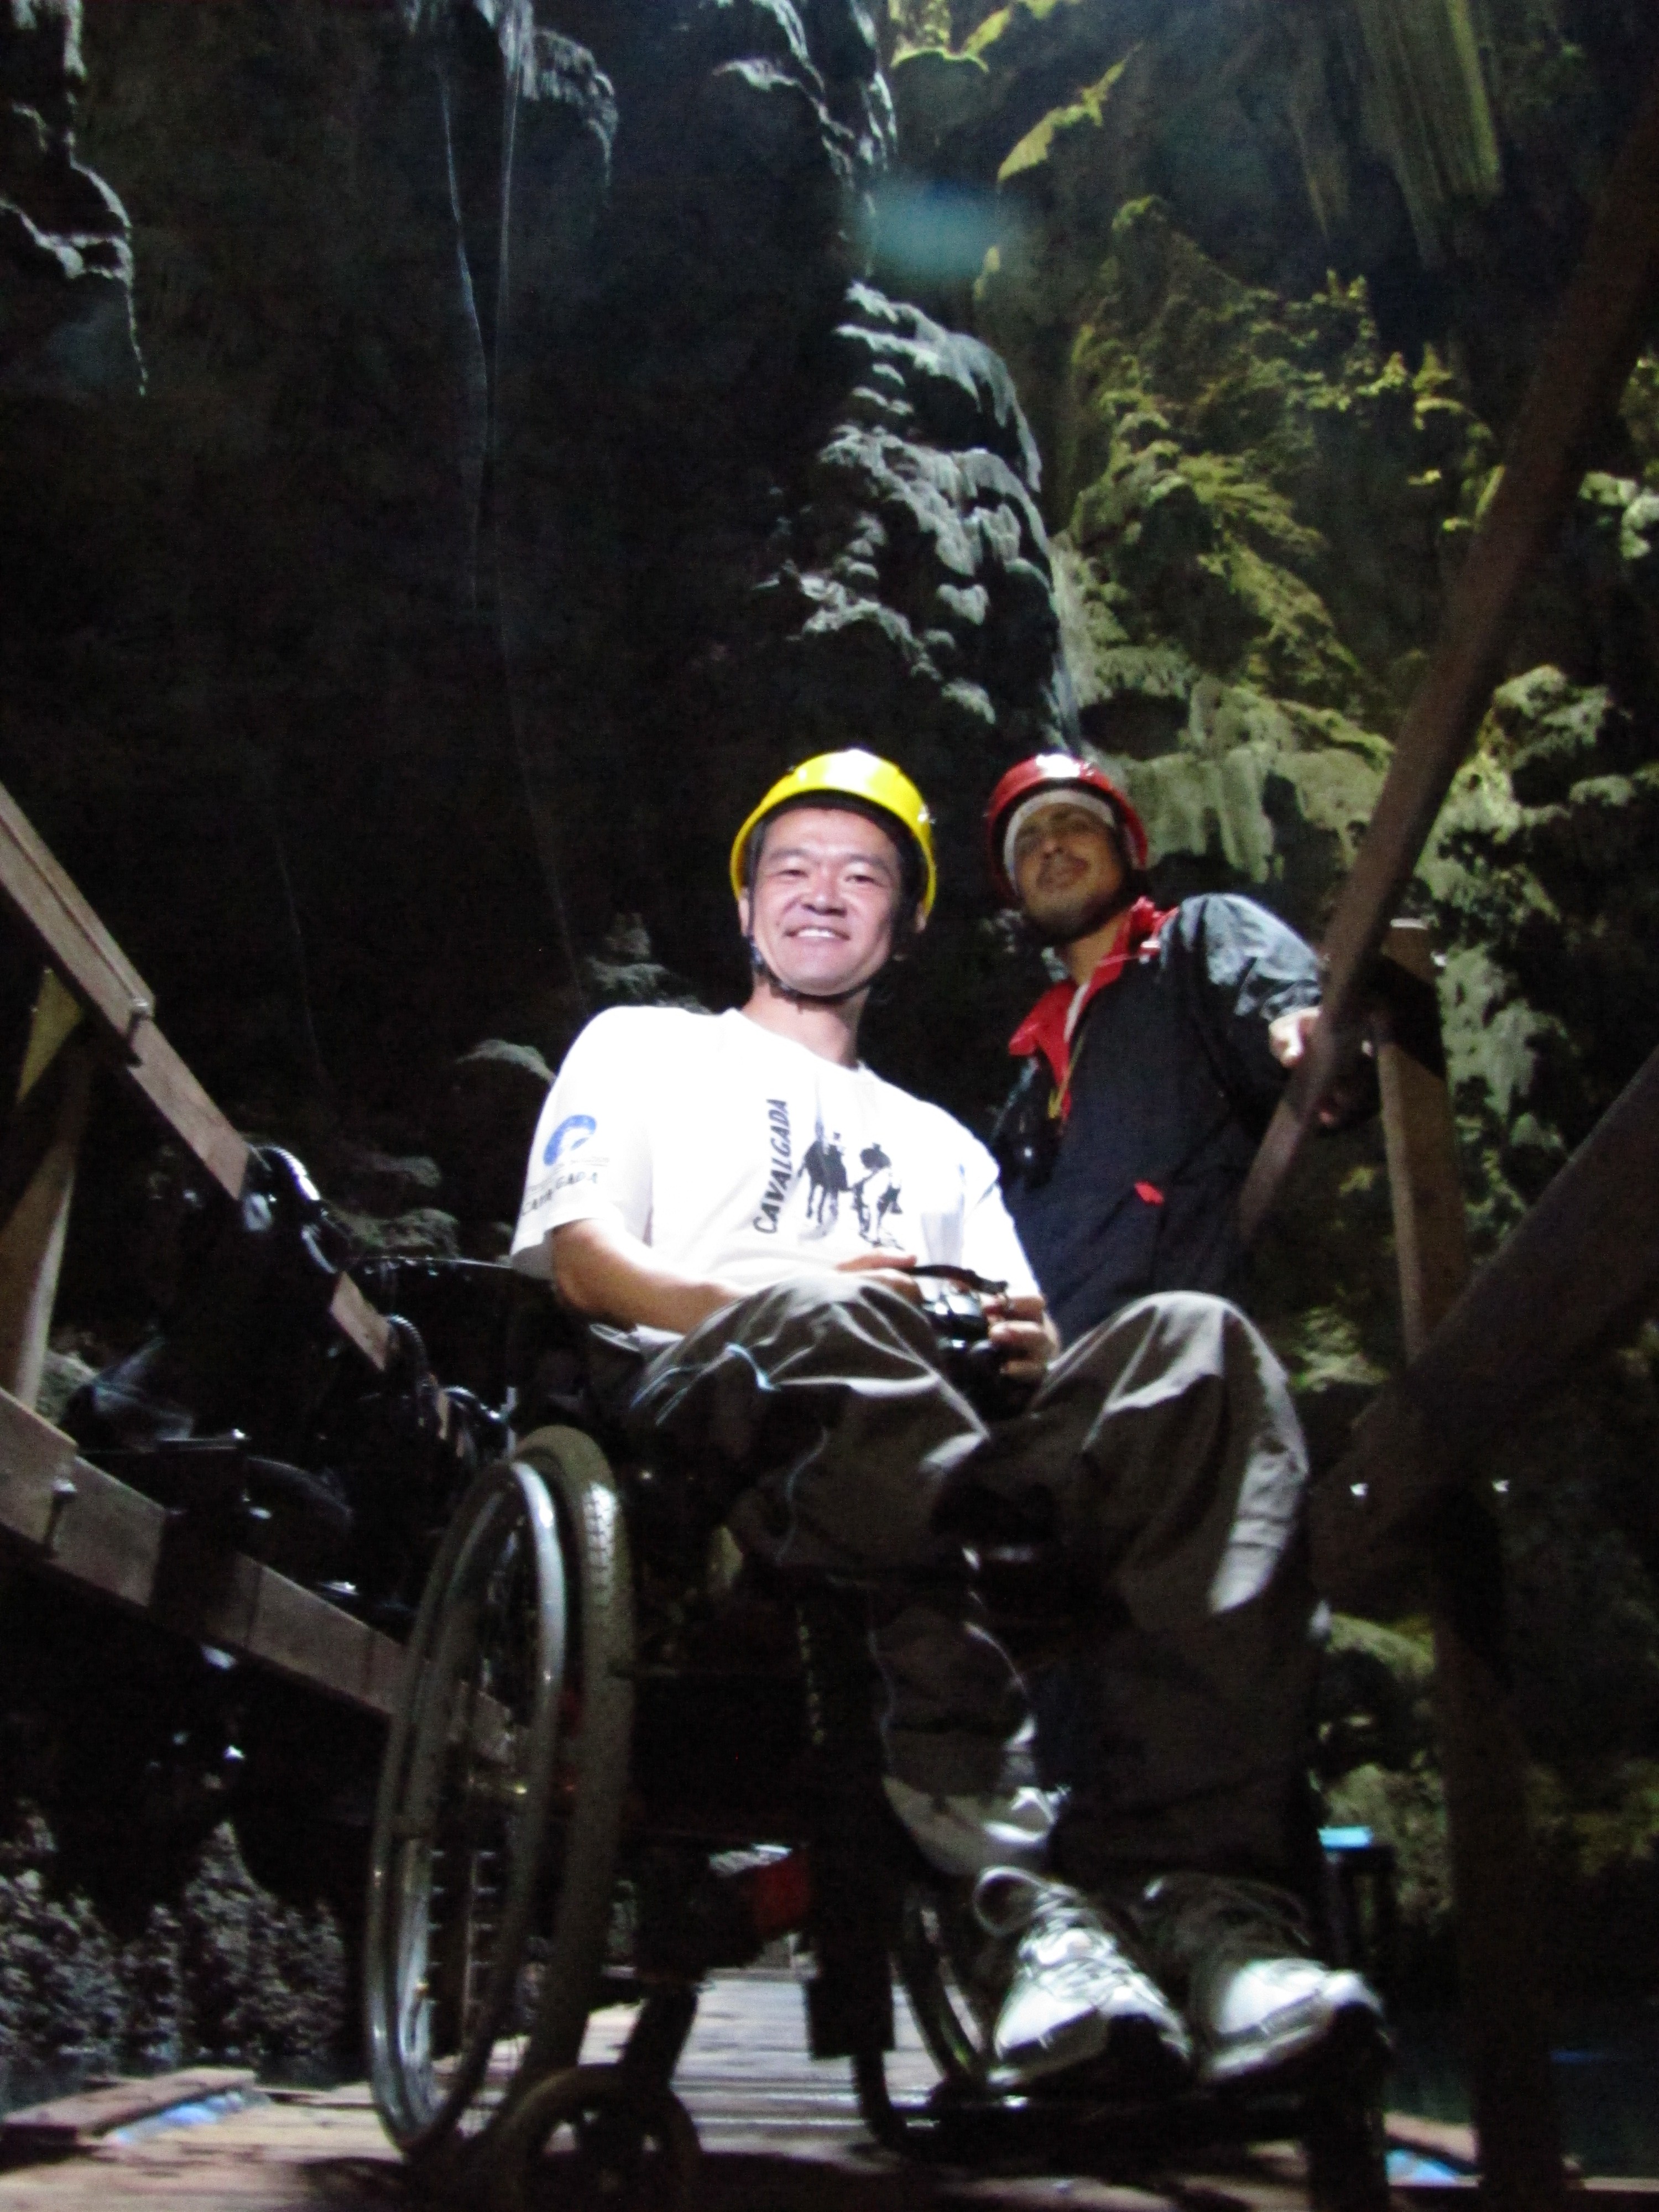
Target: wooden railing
[74, 1520]
[1481, 1357]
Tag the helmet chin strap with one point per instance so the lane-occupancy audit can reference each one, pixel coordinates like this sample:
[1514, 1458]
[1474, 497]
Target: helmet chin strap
[757, 962]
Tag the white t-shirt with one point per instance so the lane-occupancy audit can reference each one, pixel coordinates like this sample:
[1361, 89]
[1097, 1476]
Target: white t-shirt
[741, 1156]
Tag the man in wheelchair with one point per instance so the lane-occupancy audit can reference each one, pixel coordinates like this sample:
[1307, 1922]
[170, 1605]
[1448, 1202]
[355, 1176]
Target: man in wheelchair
[746, 1217]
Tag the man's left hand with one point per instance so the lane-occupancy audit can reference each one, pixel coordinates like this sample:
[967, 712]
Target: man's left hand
[1022, 1330]
[1287, 1041]
[1288, 1035]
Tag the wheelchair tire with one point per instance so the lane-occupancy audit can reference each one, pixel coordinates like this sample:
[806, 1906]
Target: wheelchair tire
[527, 1604]
[925, 1957]
[930, 1947]
[579, 1875]
[631, 2144]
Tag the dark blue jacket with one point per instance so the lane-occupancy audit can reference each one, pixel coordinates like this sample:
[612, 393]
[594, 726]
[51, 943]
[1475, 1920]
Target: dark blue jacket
[1172, 1084]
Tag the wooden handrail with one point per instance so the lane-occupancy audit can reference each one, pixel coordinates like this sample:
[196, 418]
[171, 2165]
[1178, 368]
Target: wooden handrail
[1605, 318]
[69, 933]
[1583, 1259]
[77, 947]
[1483, 1757]
[104, 1536]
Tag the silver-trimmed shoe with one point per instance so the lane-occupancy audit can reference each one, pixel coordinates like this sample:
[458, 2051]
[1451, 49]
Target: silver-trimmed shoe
[1075, 1997]
[1265, 2014]
[1257, 1998]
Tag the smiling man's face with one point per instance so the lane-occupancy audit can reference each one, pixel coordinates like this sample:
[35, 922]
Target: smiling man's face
[1067, 870]
[821, 906]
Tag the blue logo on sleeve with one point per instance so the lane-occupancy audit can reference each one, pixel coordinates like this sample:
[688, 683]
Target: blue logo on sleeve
[572, 1133]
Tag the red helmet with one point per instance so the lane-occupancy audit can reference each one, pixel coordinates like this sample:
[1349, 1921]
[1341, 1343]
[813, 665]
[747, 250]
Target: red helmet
[1054, 772]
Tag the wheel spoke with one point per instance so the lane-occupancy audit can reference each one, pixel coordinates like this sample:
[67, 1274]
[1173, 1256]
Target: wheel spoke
[489, 1825]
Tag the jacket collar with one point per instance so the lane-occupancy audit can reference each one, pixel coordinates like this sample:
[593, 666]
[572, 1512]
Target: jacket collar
[1053, 1022]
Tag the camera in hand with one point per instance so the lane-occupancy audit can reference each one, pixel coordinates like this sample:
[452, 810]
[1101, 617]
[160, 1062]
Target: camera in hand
[953, 1301]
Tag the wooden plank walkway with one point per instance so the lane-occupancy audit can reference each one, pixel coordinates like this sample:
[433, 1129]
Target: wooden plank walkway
[779, 2133]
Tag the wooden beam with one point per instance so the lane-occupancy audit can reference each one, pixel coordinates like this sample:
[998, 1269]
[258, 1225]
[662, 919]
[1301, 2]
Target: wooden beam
[185, 1107]
[69, 935]
[42, 1138]
[1604, 321]
[75, 1521]
[368, 1327]
[1483, 1758]
[78, 947]
[78, 2122]
[1582, 1262]
[1419, 1133]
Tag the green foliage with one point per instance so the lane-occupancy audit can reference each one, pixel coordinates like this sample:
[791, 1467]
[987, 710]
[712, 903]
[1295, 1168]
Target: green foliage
[61, 2000]
[1407, 1808]
[912, 24]
[1607, 1836]
[1248, 476]
[1640, 410]
[263, 1981]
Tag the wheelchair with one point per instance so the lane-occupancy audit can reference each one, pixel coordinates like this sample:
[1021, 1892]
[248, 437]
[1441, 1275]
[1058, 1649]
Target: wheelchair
[620, 1762]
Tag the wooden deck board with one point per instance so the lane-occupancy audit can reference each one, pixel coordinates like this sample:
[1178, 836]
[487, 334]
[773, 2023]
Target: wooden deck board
[780, 2133]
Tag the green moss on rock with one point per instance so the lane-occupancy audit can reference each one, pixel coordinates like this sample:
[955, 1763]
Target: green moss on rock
[1249, 485]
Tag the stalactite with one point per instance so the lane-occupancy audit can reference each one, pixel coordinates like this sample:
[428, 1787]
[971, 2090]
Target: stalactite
[1427, 109]
[1319, 143]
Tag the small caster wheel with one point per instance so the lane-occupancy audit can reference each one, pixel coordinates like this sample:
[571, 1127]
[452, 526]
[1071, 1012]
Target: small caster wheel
[592, 2139]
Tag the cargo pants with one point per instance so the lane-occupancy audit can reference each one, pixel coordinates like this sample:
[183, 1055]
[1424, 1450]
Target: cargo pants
[1161, 1456]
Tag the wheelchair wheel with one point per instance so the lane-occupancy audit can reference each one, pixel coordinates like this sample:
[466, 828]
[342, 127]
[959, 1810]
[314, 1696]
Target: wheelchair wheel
[592, 2138]
[937, 1940]
[500, 1795]
[590, 1779]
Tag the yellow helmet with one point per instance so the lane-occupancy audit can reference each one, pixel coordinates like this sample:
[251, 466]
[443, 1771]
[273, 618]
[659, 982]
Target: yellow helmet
[851, 774]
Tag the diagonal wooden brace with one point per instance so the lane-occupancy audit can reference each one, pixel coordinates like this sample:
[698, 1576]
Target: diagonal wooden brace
[37, 1180]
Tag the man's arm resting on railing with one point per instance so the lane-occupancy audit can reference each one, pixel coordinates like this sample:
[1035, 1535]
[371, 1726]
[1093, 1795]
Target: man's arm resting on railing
[605, 1273]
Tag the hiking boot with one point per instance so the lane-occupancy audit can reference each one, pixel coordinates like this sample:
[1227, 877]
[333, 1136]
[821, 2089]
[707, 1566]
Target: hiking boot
[1075, 1998]
[1257, 1998]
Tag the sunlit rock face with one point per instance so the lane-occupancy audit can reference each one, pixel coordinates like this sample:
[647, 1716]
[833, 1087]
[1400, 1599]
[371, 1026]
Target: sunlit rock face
[1270, 282]
[66, 329]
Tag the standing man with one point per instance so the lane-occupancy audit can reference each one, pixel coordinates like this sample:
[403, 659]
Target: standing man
[669, 1199]
[1151, 1071]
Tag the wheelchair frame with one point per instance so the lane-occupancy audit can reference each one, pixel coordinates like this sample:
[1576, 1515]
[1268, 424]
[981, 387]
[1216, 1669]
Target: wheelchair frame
[564, 1765]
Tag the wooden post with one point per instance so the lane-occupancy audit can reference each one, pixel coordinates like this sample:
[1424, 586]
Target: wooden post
[1483, 1759]
[58, 1058]
[1601, 326]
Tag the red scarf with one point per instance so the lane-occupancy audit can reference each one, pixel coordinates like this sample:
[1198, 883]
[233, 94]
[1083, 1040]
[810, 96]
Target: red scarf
[1053, 1023]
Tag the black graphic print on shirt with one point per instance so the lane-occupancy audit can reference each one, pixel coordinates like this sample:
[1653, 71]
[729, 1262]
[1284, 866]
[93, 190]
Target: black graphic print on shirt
[825, 1184]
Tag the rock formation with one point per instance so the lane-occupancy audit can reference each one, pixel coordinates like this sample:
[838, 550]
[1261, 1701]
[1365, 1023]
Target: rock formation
[739, 506]
[556, 417]
[66, 327]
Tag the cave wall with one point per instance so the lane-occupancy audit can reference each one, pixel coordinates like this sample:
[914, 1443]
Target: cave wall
[452, 458]
[1270, 316]
[477, 456]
